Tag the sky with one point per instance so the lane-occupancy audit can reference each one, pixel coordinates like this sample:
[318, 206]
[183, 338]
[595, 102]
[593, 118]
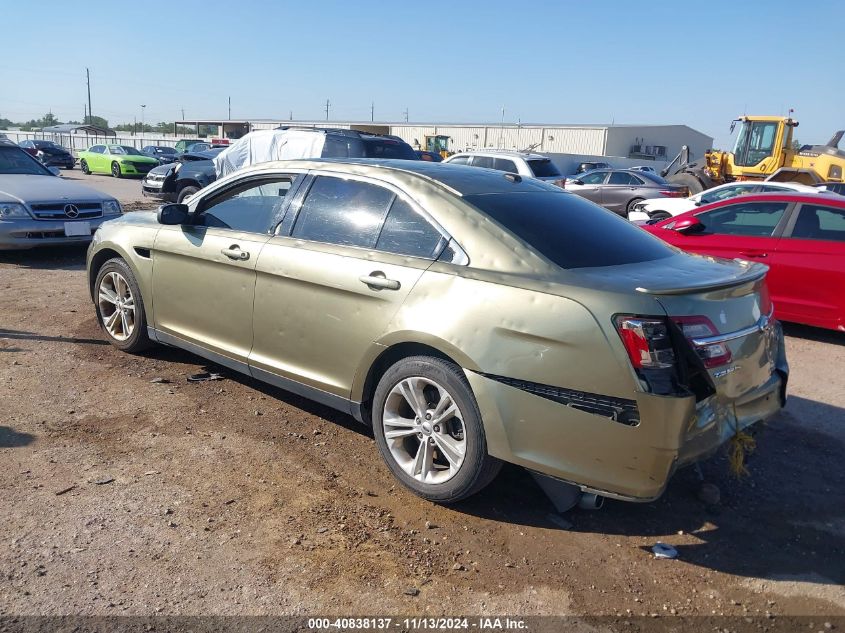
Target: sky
[696, 63]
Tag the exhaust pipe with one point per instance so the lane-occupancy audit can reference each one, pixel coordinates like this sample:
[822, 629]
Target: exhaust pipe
[590, 501]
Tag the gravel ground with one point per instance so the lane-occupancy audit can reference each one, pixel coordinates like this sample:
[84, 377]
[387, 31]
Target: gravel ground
[127, 190]
[128, 490]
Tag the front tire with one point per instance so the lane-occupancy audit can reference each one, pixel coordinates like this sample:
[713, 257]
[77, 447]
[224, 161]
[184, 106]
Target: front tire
[184, 192]
[120, 308]
[115, 170]
[659, 216]
[428, 429]
[83, 165]
[631, 204]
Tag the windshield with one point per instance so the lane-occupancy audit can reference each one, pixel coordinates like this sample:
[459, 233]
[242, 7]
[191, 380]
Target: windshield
[14, 160]
[124, 149]
[570, 231]
[45, 144]
[377, 148]
[165, 150]
[543, 167]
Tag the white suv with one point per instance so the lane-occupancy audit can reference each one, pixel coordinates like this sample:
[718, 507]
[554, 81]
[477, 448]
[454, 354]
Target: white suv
[525, 164]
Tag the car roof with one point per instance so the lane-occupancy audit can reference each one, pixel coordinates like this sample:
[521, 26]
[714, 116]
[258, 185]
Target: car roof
[503, 152]
[460, 179]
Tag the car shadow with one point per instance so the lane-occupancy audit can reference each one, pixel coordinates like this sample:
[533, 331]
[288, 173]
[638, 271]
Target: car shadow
[9, 438]
[785, 518]
[814, 333]
[47, 258]
[17, 335]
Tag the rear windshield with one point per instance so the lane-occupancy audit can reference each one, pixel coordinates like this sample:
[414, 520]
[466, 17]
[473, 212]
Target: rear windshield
[377, 148]
[570, 231]
[543, 167]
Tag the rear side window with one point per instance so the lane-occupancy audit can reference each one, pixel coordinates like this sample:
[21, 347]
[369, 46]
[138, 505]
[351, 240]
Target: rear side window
[97, 149]
[570, 231]
[487, 162]
[622, 178]
[816, 222]
[336, 147]
[406, 232]
[503, 164]
[345, 212]
[754, 219]
[543, 168]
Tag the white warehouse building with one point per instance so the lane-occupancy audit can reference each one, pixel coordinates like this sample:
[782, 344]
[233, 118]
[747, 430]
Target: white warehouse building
[634, 143]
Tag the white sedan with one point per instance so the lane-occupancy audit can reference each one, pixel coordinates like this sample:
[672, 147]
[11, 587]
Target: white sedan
[661, 208]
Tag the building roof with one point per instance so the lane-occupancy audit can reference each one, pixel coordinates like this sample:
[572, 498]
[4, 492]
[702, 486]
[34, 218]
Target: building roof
[71, 128]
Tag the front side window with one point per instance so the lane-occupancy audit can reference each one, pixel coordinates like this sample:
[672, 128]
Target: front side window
[570, 231]
[756, 141]
[595, 178]
[345, 212]
[251, 207]
[459, 160]
[757, 219]
[817, 222]
[406, 232]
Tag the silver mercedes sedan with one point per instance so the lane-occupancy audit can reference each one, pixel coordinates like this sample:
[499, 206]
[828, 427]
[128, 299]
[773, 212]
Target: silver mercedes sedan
[39, 209]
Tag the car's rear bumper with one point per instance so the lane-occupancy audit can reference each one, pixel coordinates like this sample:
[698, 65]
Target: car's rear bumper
[609, 457]
[24, 234]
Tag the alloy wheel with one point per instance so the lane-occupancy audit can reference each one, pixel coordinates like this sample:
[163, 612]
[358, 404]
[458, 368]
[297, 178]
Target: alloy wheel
[117, 306]
[424, 430]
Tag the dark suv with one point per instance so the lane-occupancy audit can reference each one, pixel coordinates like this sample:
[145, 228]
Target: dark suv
[49, 153]
[195, 170]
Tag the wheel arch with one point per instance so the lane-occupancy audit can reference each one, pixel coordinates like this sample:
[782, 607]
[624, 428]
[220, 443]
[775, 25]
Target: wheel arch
[388, 351]
[99, 258]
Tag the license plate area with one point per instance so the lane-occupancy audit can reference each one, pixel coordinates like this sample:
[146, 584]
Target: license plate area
[77, 229]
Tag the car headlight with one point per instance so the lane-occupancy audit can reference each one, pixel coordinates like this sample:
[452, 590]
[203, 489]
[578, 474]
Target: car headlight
[12, 210]
[111, 207]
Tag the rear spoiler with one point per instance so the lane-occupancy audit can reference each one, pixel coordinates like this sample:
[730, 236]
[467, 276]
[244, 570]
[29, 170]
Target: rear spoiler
[754, 273]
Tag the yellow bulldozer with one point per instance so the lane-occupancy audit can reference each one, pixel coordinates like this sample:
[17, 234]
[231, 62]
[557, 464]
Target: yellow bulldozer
[439, 144]
[763, 151]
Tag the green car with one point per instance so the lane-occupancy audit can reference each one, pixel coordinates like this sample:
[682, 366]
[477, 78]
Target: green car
[117, 160]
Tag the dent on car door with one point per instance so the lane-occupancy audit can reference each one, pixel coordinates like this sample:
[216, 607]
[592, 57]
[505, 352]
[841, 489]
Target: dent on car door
[810, 264]
[204, 272]
[332, 279]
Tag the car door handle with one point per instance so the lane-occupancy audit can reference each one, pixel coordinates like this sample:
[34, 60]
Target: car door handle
[377, 279]
[235, 252]
[755, 254]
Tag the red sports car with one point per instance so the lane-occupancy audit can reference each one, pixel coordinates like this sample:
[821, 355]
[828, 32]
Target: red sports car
[801, 237]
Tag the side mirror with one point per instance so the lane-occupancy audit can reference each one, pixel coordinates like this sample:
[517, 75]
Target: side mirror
[688, 225]
[54, 170]
[576, 181]
[173, 214]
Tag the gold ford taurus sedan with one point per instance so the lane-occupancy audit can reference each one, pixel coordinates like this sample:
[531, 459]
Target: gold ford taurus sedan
[470, 316]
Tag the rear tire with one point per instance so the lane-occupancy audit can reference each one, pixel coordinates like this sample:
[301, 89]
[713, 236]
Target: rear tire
[631, 204]
[659, 216]
[416, 454]
[83, 165]
[120, 308]
[184, 192]
[688, 180]
[115, 170]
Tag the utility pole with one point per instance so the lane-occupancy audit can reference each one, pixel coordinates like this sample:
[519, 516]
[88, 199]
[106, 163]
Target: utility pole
[88, 79]
[373, 111]
[85, 109]
[230, 108]
[291, 115]
[183, 114]
[502, 128]
[406, 115]
[327, 109]
[143, 107]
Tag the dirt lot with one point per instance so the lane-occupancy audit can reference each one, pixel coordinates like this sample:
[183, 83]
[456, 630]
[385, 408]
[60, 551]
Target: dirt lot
[128, 490]
[127, 190]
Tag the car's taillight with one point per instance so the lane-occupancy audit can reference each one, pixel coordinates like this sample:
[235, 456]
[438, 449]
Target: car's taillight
[646, 341]
[673, 193]
[700, 327]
